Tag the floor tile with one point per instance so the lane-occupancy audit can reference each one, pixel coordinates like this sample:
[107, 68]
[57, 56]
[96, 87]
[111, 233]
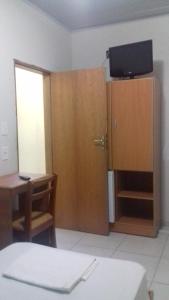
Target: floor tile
[108, 242]
[149, 283]
[93, 250]
[160, 291]
[166, 251]
[162, 273]
[148, 262]
[65, 245]
[164, 229]
[146, 251]
[66, 239]
[144, 245]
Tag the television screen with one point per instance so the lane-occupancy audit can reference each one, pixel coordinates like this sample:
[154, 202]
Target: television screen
[131, 60]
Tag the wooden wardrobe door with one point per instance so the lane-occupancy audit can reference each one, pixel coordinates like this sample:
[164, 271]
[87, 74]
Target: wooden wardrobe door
[132, 123]
[63, 148]
[91, 159]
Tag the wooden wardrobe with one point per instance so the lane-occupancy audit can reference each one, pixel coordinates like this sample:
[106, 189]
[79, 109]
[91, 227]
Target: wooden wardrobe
[134, 154]
[95, 130]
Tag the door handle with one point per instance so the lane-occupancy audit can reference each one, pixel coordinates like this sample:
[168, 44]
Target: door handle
[101, 141]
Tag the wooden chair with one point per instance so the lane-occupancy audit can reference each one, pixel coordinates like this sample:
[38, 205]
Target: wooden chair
[38, 211]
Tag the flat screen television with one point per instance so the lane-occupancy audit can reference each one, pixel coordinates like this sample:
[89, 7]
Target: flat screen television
[131, 60]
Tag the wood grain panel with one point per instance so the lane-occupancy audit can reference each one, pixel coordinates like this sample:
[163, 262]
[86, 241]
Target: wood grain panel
[137, 193]
[79, 115]
[5, 219]
[134, 226]
[156, 157]
[132, 117]
[64, 152]
[109, 125]
[47, 122]
[91, 123]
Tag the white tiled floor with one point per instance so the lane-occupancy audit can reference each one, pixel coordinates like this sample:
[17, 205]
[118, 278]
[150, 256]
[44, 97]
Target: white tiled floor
[153, 254]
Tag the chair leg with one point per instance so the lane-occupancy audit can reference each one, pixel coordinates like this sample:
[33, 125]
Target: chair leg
[28, 238]
[52, 237]
[21, 237]
[151, 295]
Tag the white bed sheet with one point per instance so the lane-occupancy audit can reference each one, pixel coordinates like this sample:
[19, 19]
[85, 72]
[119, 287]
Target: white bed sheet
[113, 279]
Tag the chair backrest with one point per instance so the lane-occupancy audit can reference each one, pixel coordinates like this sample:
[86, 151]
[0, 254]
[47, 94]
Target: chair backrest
[41, 197]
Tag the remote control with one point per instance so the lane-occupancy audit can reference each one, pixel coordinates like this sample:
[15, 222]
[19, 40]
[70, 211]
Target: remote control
[26, 178]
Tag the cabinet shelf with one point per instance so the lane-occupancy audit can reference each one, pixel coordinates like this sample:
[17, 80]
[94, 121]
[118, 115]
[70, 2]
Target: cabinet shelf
[138, 226]
[136, 221]
[135, 195]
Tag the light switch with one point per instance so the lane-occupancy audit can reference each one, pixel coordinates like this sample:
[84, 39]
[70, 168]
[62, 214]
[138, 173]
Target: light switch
[4, 153]
[4, 128]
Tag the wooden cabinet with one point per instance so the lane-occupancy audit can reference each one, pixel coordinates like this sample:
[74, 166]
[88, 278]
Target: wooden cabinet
[132, 120]
[134, 147]
[79, 121]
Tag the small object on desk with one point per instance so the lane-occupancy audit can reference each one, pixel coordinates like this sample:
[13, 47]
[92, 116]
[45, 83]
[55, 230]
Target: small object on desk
[26, 178]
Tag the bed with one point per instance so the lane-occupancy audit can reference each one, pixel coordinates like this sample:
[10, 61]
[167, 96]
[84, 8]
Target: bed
[112, 279]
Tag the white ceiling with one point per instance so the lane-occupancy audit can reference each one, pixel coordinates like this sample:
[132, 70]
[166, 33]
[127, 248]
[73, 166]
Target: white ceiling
[77, 14]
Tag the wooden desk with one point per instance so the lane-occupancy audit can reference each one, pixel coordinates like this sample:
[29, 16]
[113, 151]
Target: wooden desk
[11, 186]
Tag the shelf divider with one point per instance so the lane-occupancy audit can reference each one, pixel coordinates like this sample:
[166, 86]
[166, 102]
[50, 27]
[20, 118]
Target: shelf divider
[135, 195]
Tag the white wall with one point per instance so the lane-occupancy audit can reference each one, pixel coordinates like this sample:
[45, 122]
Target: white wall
[88, 50]
[28, 35]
